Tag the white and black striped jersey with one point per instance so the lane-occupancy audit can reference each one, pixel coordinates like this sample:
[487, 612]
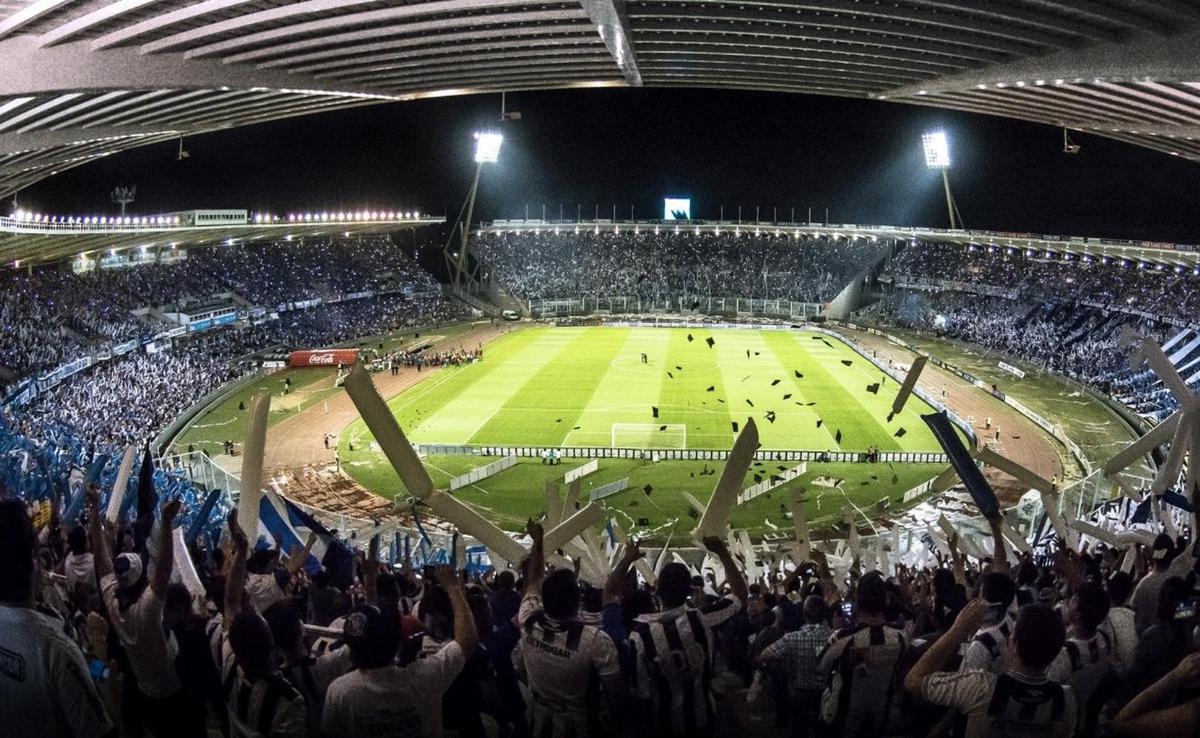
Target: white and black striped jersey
[672, 654]
[863, 689]
[1085, 665]
[270, 707]
[565, 663]
[1010, 705]
[988, 650]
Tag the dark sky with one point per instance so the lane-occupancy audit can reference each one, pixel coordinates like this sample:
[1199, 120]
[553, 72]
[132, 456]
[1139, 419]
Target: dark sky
[860, 159]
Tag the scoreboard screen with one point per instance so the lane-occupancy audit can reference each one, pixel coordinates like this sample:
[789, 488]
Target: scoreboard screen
[677, 208]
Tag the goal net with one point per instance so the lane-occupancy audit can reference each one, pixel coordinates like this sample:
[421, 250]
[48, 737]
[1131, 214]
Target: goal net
[649, 435]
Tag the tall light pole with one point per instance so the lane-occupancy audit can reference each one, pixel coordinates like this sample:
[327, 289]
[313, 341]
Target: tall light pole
[937, 156]
[487, 151]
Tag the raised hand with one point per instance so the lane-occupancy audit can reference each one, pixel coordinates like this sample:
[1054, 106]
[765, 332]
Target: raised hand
[236, 534]
[93, 498]
[170, 510]
[969, 619]
[447, 578]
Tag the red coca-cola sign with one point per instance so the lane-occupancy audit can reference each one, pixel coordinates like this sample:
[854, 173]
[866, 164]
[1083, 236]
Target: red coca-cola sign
[323, 357]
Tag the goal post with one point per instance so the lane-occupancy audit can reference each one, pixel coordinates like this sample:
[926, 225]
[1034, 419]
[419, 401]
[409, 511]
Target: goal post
[649, 435]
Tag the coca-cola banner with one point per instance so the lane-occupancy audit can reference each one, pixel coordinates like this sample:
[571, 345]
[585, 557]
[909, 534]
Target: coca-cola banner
[323, 357]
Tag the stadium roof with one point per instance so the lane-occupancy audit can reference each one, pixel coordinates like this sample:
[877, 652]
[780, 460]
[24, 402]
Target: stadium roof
[38, 238]
[82, 79]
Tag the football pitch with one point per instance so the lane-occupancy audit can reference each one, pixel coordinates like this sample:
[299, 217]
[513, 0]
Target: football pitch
[589, 387]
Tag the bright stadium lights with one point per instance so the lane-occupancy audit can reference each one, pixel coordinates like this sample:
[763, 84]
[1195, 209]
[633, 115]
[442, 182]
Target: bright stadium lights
[487, 147]
[937, 150]
[937, 156]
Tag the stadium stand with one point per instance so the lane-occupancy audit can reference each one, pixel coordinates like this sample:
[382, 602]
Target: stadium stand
[294, 640]
[1065, 315]
[671, 264]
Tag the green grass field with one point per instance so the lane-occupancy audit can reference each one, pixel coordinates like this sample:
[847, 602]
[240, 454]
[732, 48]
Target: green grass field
[310, 386]
[227, 420]
[514, 495]
[570, 386]
[1086, 420]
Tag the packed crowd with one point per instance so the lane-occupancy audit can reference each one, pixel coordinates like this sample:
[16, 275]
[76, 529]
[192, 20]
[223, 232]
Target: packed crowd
[420, 358]
[51, 316]
[1163, 291]
[101, 636]
[280, 273]
[127, 400]
[1074, 340]
[670, 265]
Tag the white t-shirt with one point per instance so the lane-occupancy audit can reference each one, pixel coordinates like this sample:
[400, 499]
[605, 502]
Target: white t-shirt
[80, 569]
[151, 649]
[391, 700]
[1083, 664]
[45, 688]
[1122, 633]
[263, 590]
[561, 659]
[988, 650]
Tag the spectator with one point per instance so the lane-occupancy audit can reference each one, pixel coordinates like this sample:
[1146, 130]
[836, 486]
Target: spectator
[45, 688]
[1022, 701]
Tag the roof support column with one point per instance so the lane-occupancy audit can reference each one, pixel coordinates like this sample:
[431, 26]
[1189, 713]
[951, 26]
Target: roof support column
[612, 24]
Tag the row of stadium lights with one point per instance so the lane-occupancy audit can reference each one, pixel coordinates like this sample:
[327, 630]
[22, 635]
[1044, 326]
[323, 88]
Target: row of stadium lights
[25, 216]
[325, 217]
[1088, 258]
[716, 231]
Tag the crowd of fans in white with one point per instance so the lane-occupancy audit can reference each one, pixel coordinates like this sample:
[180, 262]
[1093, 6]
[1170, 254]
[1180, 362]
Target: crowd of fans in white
[1045, 323]
[1159, 290]
[671, 265]
[52, 316]
[99, 637]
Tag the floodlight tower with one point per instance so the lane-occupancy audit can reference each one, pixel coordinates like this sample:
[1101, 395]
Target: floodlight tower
[937, 156]
[123, 196]
[487, 151]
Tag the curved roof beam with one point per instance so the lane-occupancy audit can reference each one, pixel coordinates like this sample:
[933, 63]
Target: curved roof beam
[1143, 56]
[279, 17]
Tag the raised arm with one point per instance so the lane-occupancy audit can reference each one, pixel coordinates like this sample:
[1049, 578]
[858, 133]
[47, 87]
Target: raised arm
[536, 564]
[939, 653]
[1151, 711]
[465, 633]
[960, 569]
[733, 575]
[164, 563]
[101, 547]
[615, 582]
[235, 582]
[999, 554]
[296, 558]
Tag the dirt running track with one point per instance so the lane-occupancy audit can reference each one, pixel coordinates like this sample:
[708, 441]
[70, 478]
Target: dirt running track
[1020, 439]
[299, 441]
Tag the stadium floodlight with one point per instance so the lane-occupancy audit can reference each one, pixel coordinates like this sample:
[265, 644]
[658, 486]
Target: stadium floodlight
[487, 147]
[937, 156]
[487, 151]
[937, 150]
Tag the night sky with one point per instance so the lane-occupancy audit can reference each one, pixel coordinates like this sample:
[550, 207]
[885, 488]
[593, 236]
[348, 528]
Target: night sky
[583, 148]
